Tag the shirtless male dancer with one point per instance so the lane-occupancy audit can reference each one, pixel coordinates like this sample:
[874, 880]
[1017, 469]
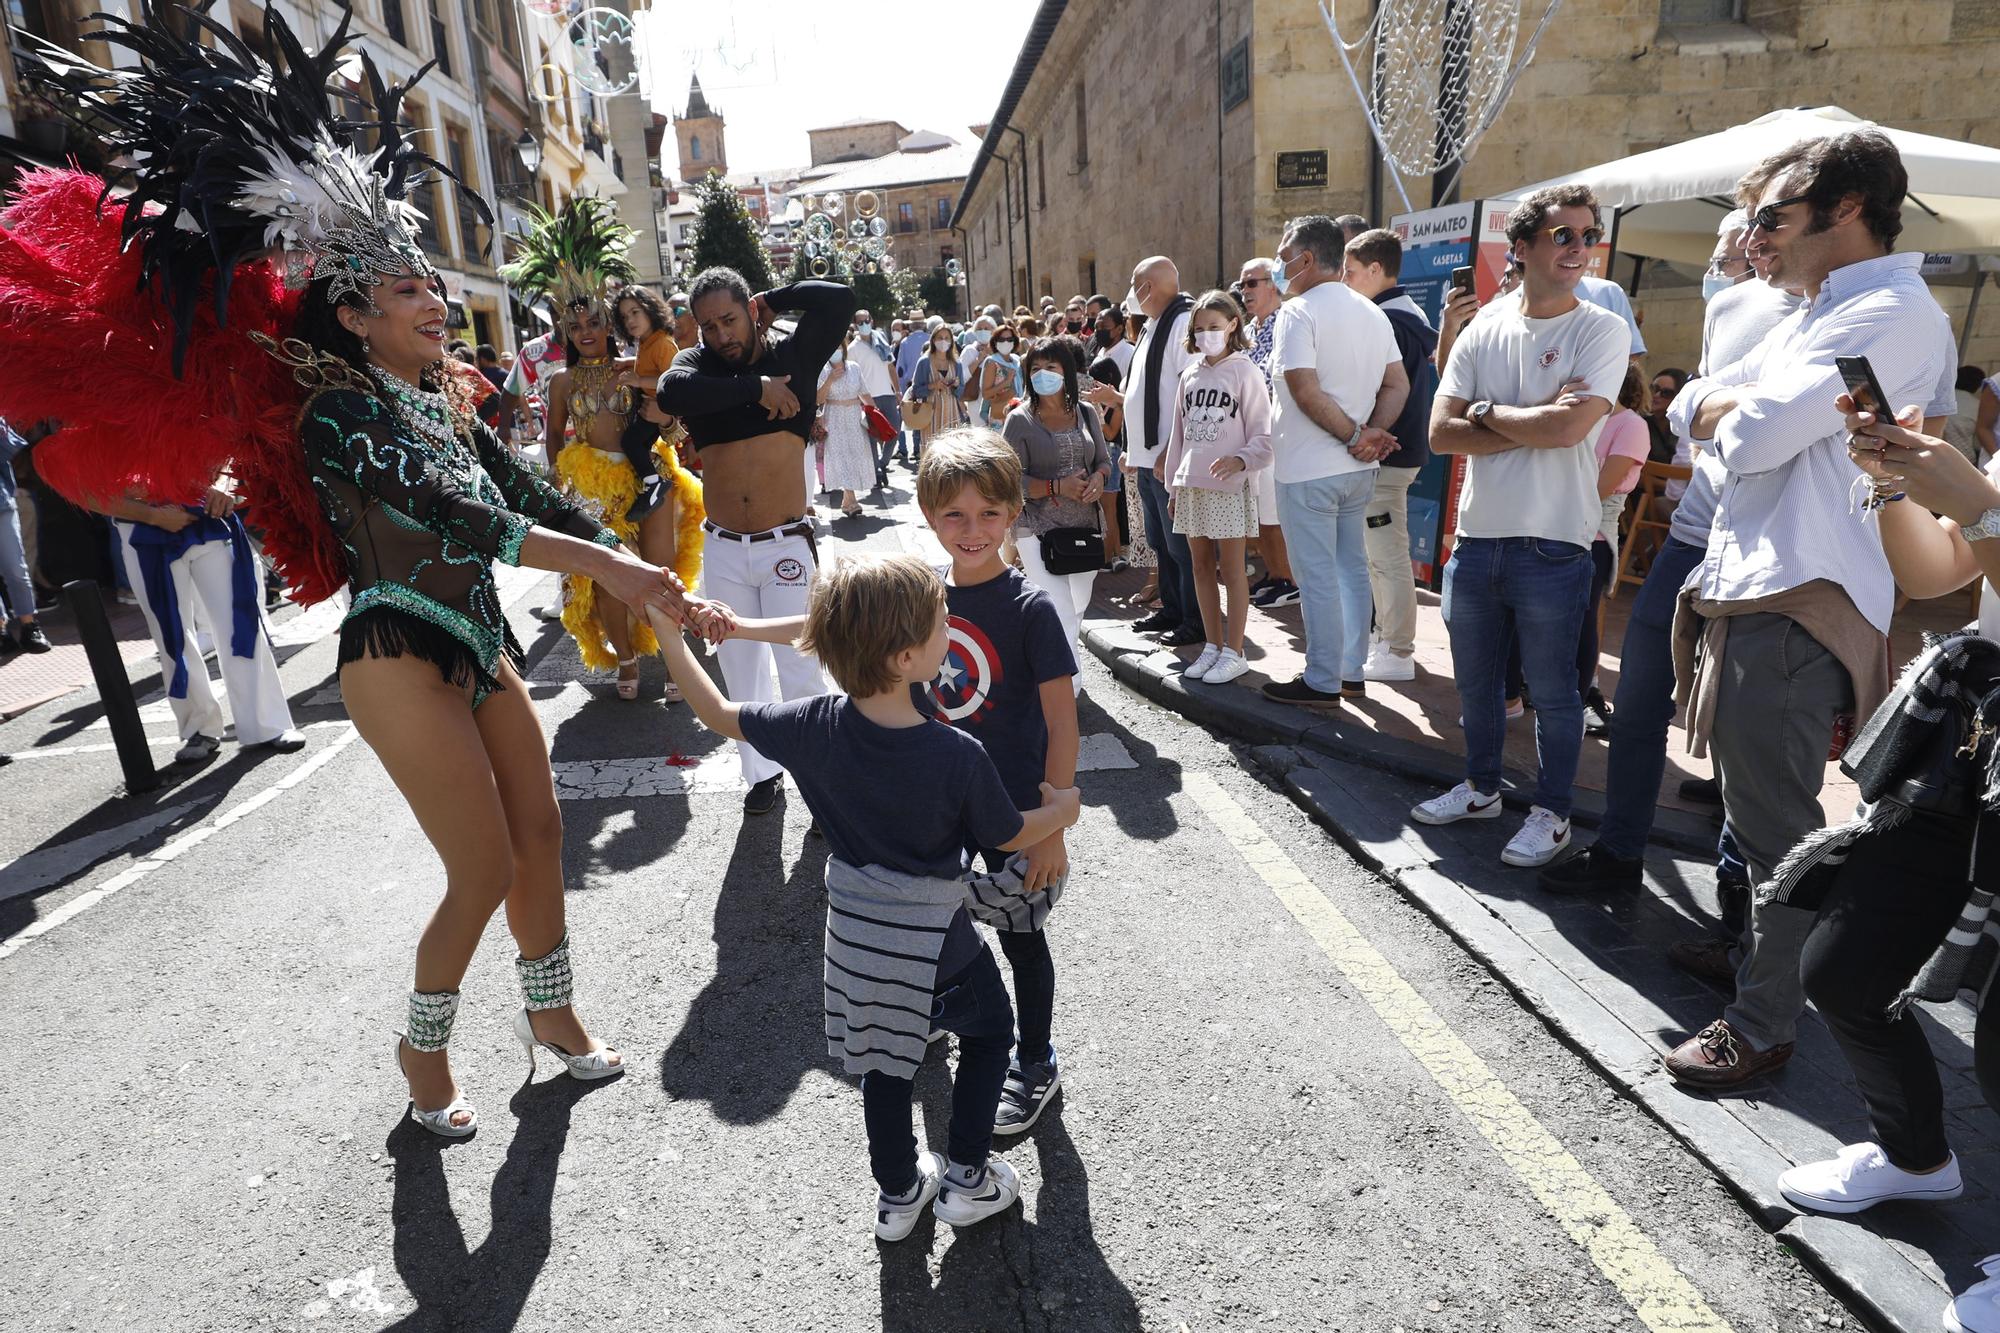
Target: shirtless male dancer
[746, 399]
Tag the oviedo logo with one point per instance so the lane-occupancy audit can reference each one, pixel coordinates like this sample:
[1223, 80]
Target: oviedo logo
[790, 571]
[1548, 358]
[968, 676]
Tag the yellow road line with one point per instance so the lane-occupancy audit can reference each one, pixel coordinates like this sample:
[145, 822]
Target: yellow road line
[1658, 1293]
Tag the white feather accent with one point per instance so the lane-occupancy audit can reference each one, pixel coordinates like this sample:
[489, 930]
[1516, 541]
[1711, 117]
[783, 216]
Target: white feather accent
[307, 200]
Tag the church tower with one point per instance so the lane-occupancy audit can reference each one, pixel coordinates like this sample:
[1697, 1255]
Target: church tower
[699, 136]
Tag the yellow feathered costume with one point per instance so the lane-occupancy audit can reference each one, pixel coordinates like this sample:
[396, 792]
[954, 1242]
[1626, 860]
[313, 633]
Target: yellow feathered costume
[607, 481]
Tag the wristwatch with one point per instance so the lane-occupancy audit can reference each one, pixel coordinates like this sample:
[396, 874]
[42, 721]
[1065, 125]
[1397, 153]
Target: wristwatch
[1476, 414]
[1987, 526]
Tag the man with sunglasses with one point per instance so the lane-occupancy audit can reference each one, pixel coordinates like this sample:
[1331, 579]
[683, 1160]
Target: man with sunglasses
[1524, 395]
[1787, 618]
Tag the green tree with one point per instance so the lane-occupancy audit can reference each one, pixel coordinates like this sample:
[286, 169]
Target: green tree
[872, 291]
[725, 234]
[938, 294]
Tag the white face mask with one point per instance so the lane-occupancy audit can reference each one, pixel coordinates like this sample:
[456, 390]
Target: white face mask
[1004, 346]
[1714, 285]
[1212, 342]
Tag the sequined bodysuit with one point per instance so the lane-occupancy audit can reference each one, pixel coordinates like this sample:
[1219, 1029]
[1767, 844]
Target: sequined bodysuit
[422, 512]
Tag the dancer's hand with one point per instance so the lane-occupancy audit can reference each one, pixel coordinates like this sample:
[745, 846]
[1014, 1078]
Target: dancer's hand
[640, 585]
[712, 620]
[777, 398]
[218, 503]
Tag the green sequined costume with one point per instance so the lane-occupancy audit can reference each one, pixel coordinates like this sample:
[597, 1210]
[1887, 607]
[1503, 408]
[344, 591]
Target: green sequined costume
[421, 519]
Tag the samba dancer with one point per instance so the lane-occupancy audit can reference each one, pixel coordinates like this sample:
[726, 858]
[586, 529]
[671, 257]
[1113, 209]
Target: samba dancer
[381, 481]
[746, 399]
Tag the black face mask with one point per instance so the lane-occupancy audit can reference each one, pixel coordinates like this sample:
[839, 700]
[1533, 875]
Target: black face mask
[1076, 326]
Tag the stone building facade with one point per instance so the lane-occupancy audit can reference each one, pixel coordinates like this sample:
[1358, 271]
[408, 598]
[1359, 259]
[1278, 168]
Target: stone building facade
[1125, 116]
[854, 140]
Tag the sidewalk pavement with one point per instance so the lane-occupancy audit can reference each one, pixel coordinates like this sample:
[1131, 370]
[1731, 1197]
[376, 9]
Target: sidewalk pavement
[28, 680]
[1595, 970]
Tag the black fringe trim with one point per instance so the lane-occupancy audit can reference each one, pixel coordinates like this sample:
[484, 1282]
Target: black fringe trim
[385, 631]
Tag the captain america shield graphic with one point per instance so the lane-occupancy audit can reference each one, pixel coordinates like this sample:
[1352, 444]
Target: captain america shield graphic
[971, 672]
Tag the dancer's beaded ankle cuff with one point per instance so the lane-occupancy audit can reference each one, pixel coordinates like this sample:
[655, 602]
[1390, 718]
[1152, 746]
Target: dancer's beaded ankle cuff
[431, 1016]
[546, 982]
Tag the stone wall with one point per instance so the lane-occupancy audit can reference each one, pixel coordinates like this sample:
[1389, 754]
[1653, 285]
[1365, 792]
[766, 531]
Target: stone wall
[1606, 81]
[852, 143]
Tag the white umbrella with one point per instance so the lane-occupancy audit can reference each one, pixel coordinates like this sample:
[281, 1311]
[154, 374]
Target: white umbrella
[1669, 200]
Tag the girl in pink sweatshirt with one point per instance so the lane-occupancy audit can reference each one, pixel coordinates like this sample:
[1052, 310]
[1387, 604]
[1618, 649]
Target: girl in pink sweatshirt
[1221, 434]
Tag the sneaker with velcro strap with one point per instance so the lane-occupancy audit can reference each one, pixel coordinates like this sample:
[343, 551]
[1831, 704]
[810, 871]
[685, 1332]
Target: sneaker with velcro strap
[994, 1192]
[1027, 1092]
[895, 1219]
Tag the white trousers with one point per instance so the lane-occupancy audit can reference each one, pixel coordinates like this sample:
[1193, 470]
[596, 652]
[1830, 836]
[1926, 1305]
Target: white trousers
[762, 580]
[203, 587]
[1070, 593]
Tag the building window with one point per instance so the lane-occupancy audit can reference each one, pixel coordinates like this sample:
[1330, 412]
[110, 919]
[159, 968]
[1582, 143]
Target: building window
[1082, 130]
[393, 24]
[694, 146]
[942, 221]
[1041, 177]
[460, 156]
[440, 43]
[906, 217]
[1679, 13]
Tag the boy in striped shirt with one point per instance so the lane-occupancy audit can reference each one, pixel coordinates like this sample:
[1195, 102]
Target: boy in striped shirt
[898, 796]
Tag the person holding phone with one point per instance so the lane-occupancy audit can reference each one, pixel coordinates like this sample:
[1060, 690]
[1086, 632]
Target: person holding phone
[1792, 605]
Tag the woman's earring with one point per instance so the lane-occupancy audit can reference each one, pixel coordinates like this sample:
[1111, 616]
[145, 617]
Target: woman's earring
[367, 348]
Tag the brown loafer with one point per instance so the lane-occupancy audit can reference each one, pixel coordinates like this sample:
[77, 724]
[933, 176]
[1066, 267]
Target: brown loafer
[1709, 958]
[1716, 1057]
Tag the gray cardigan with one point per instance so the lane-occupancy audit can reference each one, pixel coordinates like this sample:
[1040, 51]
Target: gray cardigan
[1041, 460]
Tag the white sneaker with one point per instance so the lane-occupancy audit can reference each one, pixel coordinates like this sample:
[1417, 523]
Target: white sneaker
[1227, 667]
[1198, 669]
[1544, 836]
[894, 1221]
[1977, 1308]
[1461, 802]
[1382, 664]
[995, 1193]
[1860, 1176]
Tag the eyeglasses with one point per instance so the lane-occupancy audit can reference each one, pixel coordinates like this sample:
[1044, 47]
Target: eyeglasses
[1766, 218]
[1256, 282]
[1719, 268]
[1566, 236]
[1664, 391]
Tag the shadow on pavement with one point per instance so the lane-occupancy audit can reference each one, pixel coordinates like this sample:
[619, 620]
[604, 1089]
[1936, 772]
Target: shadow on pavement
[1007, 1271]
[756, 1027]
[484, 1288]
[1144, 808]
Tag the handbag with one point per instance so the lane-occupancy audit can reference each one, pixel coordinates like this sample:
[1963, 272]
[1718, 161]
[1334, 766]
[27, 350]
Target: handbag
[1930, 746]
[879, 429]
[1072, 550]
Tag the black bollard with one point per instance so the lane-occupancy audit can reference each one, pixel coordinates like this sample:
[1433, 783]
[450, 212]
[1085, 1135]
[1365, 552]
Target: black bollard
[121, 709]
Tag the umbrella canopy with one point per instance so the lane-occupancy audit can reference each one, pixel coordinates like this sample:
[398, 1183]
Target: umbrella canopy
[1670, 199]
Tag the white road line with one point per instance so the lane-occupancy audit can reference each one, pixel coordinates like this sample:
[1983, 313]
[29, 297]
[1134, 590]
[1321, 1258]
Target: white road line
[718, 771]
[1659, 1293]
[194, 837]
[37, 870]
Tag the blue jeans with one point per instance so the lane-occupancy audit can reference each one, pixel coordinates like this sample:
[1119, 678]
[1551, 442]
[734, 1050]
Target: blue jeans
[1494, 587]
[1176, 566]
[1645, 705]
[1326, 536]
[14, 580]
[974, 1005]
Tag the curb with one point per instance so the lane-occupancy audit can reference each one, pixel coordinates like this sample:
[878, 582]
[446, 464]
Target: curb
[1245, 714]
[1859, 1268]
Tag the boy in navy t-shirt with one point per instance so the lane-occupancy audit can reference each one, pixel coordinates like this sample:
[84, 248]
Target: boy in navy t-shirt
[899, 797]
[1006, 680]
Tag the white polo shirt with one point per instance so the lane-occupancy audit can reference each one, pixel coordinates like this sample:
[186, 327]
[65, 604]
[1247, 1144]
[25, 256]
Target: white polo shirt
[1347, 340]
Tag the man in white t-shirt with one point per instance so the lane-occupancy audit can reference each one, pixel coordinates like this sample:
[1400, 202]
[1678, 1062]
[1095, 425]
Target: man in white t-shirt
[1338, 383]
[1524, 396]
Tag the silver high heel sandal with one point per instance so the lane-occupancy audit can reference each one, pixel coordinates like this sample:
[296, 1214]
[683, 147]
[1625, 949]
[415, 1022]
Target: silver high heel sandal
[431, 1017]
[546, 983]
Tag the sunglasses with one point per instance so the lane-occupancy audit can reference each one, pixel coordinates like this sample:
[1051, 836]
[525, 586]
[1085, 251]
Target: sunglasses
[1766, 218]
[1566, 236]
[1256, 282]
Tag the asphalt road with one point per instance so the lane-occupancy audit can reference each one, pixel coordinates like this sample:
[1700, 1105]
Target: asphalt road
[1289, 1101]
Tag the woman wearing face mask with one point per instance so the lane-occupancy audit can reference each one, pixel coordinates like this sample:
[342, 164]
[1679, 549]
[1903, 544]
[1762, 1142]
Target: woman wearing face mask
[933, 391]
[999, 376]
[1064, 465]
[847, 456]
[1221, 436]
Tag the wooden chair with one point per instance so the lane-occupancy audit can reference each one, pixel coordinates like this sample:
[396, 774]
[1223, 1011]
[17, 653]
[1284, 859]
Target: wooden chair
[1649, 525]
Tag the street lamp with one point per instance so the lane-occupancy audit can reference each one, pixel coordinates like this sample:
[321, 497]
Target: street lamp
[529, 150]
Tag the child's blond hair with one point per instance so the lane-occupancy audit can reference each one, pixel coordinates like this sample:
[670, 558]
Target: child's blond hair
[968, 455]
[865, 609]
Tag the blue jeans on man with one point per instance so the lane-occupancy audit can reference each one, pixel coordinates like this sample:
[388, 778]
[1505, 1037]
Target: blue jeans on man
[1637, 759]
[1325, 522]
[1493, 588]
[1176, 565]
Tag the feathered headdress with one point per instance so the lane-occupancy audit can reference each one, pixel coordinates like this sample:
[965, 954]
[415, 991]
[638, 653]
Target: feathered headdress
[572, 255]
[233, 157]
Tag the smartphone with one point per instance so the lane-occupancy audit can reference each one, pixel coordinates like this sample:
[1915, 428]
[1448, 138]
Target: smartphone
[1863, 387]
[1461, 277]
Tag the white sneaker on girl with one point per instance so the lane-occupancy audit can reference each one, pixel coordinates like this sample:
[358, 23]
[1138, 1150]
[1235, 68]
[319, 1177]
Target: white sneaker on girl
[897, 1218]
[1198, 669]
[1227, 668]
